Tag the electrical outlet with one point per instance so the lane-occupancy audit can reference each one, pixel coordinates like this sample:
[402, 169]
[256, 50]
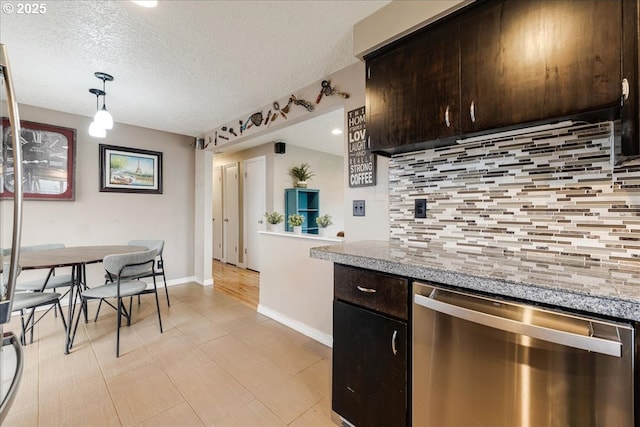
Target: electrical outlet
[420, 208]
[358, 208]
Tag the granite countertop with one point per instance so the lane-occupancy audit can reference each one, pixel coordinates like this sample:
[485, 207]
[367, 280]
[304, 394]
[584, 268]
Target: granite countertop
[611, 290]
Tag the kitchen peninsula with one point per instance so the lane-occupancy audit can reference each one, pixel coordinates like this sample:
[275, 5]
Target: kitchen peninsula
[593, 288]
[418, 328]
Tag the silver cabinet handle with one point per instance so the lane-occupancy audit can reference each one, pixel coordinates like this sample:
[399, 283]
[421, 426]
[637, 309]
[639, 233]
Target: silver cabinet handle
[393, 342]
[447, 120]
[226, 220]
[261, 222]
[583, 342]
[472, 111]
[625, 89]
[10, 338]
[366, 290]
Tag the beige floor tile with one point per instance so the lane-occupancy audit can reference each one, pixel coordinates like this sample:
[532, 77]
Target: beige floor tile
[103, 416]
[168, 379]
[232, 354]
[178, 355]
[25, 418]
[68, 383]
[212, 392]
[142, 393]
[253, 414]
[286, 396]
[318, 416]
[284, 352]
[201, 330]
[178, 416]
[221, 315]
[317, 377]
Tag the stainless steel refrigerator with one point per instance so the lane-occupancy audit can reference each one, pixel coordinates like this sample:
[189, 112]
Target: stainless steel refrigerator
[11, 357]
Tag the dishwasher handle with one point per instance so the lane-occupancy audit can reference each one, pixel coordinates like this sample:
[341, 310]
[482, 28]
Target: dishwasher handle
[569, 339]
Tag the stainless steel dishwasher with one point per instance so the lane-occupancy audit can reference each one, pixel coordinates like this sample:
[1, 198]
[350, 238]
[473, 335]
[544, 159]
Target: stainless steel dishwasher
[486, 362]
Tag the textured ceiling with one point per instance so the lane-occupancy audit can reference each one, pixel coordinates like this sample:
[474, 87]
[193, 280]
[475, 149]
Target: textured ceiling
[184, 66]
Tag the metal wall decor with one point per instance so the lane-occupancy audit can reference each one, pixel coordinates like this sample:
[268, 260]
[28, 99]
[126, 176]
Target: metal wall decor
[275, 112]
[48, 161]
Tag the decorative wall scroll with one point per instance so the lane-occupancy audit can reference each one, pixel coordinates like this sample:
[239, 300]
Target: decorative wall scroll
[362, 163]
[129, 170]
[48, 160]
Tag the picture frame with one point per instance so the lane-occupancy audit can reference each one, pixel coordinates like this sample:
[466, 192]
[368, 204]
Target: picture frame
[48, 160]
[130, 170]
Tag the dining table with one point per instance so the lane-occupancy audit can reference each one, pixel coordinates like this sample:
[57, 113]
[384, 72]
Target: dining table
[76, 257]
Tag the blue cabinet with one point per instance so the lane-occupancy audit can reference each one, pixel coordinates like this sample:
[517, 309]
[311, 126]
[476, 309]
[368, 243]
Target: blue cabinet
[304, 202]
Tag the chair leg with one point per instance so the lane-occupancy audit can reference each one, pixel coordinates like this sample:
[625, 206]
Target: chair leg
[59, 307]
[118, 323]
[33, 324]
[23, 340]
[166, 290]
[98, 311]
[155, 291]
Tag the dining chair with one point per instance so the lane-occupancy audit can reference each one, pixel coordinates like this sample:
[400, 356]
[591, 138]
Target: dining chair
[52, 279]
[158, 270]
[30, 294]
[24, 301]
[126, 271]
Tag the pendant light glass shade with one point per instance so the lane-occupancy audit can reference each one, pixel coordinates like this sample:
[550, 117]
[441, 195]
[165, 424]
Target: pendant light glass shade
[96, 130]
[103, 118]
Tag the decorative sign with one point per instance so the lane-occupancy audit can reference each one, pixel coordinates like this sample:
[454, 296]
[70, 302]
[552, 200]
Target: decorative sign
[362, 163]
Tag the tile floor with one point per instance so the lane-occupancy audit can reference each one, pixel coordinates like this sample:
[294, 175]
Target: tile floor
[218, 363]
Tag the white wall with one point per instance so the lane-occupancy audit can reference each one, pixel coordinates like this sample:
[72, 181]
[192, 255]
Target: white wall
[375, 224]
[95, 218]
[295, 289]
[328, 179]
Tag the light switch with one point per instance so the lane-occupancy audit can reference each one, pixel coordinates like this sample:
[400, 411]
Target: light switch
[358, 208]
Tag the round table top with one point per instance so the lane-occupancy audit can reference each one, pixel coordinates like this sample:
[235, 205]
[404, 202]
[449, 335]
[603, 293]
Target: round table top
[72, 255]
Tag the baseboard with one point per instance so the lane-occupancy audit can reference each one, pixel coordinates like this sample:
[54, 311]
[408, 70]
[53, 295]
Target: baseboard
[296, 325]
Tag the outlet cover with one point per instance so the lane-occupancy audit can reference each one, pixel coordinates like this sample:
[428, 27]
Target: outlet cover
[358, 208]
[420, 208]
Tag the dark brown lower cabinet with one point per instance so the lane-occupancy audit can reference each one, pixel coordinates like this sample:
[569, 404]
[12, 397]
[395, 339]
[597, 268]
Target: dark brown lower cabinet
[369, 385]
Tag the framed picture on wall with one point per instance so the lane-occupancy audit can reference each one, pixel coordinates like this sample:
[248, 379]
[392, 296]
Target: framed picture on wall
[48, 161]
[130, 170]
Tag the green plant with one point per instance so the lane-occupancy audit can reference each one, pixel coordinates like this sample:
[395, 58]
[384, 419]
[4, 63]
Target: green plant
[324, 221]
[295, 220]
[302, 172]
[274, 217]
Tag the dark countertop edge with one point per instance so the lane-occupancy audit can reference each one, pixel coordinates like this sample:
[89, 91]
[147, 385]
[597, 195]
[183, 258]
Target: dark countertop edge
[600, 305]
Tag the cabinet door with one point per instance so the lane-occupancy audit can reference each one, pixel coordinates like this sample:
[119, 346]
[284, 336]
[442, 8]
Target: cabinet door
[369, 386]
[529, 60]
[412, 91]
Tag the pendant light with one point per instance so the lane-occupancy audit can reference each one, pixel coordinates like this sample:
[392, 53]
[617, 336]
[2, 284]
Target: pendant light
[95, 129]
[103, 117]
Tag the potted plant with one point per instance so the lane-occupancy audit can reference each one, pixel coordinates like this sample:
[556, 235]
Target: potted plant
[296, 221]
[273, 218]
[302, 174]
[323, 222]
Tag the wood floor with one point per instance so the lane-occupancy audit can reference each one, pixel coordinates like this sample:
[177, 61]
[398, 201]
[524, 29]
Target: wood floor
[239, 283]
[218, 363]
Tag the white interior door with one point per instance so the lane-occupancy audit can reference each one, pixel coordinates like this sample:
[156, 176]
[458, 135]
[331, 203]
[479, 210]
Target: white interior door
[217, 213]
[255, 202]
[230, 213]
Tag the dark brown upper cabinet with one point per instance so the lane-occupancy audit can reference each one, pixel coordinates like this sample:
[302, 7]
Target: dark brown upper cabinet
[413, 93]
[528, 60]
[500, 64]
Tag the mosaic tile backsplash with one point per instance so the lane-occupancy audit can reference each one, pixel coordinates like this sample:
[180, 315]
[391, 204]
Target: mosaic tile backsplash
[549, 194]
